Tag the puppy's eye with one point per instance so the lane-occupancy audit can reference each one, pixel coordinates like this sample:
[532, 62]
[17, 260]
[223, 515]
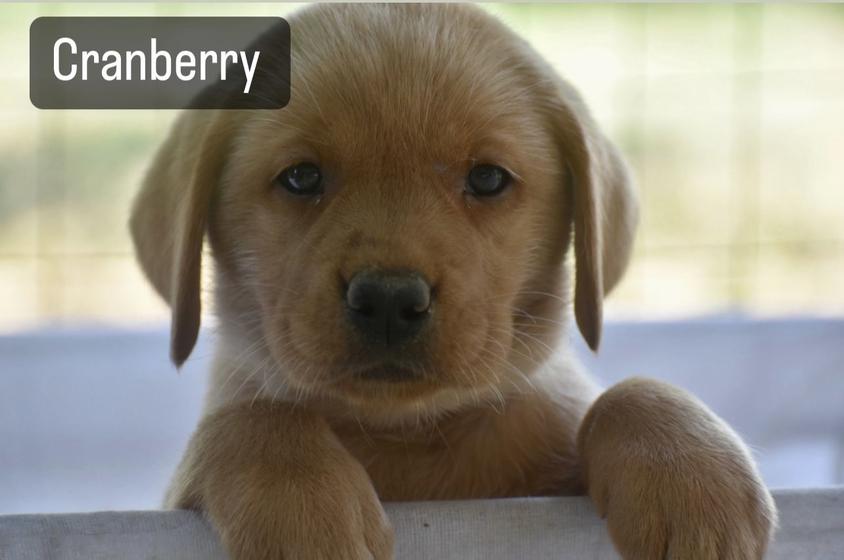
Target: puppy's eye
[303, 179]
[487, 180]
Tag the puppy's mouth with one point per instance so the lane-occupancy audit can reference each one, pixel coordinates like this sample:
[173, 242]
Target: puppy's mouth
[389, 373]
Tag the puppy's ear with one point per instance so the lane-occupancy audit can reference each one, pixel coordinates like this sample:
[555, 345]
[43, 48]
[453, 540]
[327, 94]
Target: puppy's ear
[605, 209]
[169, 219]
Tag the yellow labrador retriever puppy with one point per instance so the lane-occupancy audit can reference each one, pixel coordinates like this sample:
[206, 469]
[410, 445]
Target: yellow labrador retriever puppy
[391, 287]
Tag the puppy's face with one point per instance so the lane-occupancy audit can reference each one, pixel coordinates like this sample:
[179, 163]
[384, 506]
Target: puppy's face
[396, 234]
[395, 231]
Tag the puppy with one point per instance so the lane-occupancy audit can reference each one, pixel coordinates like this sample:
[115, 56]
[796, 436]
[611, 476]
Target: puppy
[391, 285]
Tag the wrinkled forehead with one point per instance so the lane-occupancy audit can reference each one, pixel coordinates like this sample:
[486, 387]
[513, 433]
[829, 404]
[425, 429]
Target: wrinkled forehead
[400, 80]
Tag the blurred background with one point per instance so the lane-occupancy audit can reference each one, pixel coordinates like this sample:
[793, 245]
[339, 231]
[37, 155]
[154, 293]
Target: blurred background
[732, 118]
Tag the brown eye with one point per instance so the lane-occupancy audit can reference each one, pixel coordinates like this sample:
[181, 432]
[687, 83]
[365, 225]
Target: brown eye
[302, 179]
[487, 180]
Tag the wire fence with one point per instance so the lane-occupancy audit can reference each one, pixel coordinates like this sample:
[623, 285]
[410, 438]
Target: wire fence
[732, 117]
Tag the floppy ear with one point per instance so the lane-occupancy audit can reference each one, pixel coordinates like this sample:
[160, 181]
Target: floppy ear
[169, 219]
[605, 209]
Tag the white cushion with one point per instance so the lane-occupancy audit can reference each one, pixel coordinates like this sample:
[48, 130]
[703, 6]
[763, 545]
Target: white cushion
[559, 528]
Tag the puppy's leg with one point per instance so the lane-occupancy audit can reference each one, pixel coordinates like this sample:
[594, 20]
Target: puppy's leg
[671, 478]
[278, 484]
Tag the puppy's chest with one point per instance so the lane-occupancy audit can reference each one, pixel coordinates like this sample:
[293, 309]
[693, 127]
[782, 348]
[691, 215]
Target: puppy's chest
[483, 457]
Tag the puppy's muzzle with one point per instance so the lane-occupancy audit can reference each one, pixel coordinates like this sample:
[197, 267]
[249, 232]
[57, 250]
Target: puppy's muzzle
[388, 308]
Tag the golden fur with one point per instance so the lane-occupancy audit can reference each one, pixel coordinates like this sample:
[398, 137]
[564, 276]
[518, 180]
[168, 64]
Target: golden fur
[396, 102]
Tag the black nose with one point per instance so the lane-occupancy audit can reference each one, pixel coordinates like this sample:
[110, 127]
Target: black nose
[388, 308]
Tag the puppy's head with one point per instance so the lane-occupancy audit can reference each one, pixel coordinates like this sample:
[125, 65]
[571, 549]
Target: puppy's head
[398, 232]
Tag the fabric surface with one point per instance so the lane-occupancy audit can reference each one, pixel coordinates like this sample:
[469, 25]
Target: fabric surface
[812, 527]
[97, 419]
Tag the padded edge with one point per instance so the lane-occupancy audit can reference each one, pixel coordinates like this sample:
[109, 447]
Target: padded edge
[811, 526]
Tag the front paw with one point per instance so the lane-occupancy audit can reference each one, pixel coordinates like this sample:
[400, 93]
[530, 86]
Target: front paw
[672, 480]
[278, 485]
[324, 512]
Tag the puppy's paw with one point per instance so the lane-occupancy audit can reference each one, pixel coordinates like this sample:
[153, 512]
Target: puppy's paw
[323, 511]
[278, 485]
[671, 479]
